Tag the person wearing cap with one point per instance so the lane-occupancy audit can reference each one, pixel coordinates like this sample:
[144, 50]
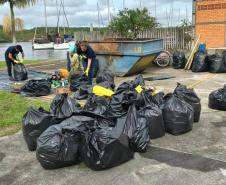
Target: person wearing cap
[11, 58]
[70, 53]
[88, 59]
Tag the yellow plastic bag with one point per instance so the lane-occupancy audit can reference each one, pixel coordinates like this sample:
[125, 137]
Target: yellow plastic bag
[101, 91]
[139, 89]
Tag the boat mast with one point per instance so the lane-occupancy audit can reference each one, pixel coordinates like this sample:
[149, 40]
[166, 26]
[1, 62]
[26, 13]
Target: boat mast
[64, 17]
[98, 11]
[46, 19]
[109, 19]
[37, 21]
[58, 31]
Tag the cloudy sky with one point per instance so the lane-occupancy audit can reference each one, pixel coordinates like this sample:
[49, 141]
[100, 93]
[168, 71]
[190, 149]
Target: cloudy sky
[80, 13]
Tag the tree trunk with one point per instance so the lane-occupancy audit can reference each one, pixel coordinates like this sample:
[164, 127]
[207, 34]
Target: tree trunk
[13, 22]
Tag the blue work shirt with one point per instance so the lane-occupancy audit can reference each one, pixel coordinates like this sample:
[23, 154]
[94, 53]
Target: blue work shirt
[72, 49]
[89, 53]
[12, 50]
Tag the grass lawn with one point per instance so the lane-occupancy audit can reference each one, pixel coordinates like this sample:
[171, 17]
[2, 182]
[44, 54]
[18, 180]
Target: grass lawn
[12, 109]
[3, 63]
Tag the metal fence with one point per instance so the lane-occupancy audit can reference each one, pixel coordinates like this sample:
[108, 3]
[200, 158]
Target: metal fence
[173, 38]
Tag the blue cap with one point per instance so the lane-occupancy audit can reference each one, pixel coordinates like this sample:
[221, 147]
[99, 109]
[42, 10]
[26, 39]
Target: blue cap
[57, 71]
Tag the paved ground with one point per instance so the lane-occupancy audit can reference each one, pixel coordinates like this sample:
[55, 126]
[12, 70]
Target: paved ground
[198, 157]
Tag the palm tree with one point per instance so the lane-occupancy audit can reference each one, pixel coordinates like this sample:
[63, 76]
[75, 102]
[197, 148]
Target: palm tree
[13, 22]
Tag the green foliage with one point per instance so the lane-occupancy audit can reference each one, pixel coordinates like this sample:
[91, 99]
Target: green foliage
[12, 109]
[28, 34]
[185, 24]
[131, 22]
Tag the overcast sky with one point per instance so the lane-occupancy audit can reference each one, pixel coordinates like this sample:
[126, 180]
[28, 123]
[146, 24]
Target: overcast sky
[80, 13]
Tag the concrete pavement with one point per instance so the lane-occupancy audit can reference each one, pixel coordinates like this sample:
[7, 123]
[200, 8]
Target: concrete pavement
[197, 157]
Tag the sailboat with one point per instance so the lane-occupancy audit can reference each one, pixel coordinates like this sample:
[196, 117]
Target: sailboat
[67, 40]
[43, 43]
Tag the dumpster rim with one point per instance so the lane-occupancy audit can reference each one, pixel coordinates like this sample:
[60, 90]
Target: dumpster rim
[132, 41]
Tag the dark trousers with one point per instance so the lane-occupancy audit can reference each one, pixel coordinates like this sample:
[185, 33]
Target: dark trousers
[9, 63]
[68, 62]
[85, 64]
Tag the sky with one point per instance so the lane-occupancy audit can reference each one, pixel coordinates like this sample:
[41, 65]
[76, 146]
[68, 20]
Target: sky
[80, 13]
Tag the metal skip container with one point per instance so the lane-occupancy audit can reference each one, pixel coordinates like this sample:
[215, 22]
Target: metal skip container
[126, 57]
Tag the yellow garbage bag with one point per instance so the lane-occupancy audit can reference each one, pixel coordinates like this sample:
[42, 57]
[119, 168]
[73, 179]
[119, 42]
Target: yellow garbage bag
[101, 91]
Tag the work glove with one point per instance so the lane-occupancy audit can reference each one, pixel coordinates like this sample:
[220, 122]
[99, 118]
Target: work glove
[80, 57]
[87, 71]
[16, 61]
[21, 61]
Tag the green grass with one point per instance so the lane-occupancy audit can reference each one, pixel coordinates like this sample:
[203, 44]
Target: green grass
[12, 109]
[3, 63]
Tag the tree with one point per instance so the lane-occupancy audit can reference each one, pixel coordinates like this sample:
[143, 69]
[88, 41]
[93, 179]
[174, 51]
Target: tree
[185, 24]
[13, 22]
[131, 22]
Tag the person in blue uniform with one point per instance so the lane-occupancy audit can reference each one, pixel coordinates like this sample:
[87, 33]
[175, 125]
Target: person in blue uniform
[11, 58]
[71, 51]
[88, 59]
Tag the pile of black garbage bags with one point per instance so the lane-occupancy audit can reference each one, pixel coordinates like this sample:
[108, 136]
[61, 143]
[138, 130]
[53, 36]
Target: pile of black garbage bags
[106, 132]
[201, 62]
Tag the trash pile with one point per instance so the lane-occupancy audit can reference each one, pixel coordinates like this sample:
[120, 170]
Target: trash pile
[111, 126]
[202, 62]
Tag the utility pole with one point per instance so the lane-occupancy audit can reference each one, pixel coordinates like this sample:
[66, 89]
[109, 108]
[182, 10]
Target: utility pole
[194, 9]
[124, 4]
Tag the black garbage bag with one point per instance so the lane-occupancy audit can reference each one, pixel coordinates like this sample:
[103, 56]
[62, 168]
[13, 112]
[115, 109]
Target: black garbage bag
[83, 92]
[190, 97]
[177, 115]
[139, 80]
[158, 98]
[101, 121]
[105, 148]
[105, 75]
[217, 99]
[200, 62]
[154, 119]
[126, 89]
[179, 61]
[63, 106]
[58, 146]
[20, 72]
[78, 80]
[106, 85]
[97, 104]
[34, 123]
[130, 98]
[135, 128]
[115, 107]
[217, 63]
[96, 68]
[36, 88]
